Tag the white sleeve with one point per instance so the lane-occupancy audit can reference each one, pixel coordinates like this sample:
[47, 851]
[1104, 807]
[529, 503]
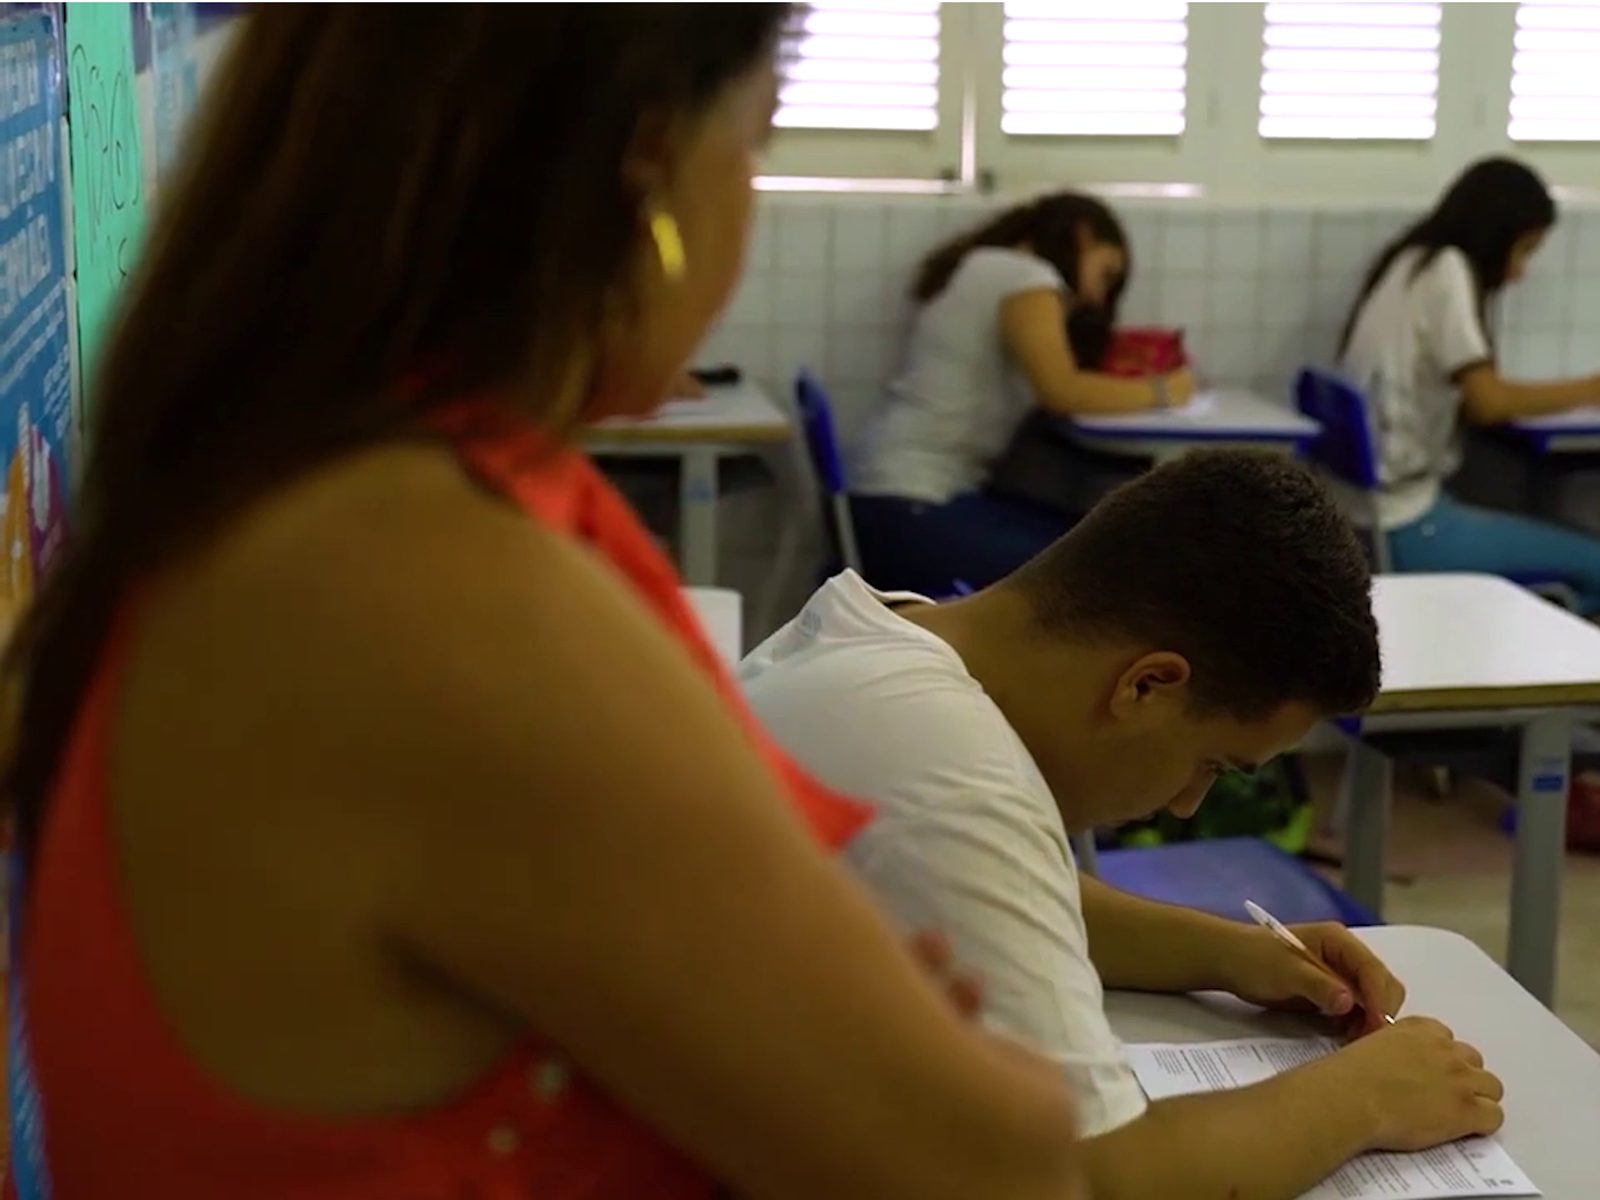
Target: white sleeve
[1452, 325]
[1006, 273]
[1006, 896]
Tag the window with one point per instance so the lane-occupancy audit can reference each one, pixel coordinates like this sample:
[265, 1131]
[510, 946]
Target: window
[868, 65]
[1115, 70]
[1352, 70]
[1555, 74]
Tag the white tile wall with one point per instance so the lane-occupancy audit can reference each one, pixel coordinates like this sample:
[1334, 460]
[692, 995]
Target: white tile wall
[1257, 291]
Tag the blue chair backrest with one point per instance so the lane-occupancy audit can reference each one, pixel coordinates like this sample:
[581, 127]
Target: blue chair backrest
[1345, 446]
[822, 440]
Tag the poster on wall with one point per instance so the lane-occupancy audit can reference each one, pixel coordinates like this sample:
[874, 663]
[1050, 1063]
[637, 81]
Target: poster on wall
[35, 424]
[35, 336]
[107, 167]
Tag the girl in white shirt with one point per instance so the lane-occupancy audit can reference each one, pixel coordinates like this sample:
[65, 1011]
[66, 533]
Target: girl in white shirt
[989, 344]
[1417, 342]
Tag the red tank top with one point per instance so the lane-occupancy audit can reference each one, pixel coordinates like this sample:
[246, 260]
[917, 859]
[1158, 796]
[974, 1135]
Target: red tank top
[124, 1112]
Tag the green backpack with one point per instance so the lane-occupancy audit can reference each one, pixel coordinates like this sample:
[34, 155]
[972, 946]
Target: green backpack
[1272, 803]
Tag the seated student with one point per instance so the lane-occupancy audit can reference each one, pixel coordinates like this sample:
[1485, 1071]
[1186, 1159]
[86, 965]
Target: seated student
[1418, 342]
[988, 344]
[1199, 619]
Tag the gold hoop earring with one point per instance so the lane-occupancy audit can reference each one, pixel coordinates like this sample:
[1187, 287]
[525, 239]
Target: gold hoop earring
[669, 244]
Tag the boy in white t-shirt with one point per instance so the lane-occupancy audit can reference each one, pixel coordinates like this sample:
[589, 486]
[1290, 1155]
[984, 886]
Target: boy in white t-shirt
[1200, 619]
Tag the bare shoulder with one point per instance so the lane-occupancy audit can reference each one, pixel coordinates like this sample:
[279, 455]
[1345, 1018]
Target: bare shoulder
[368, 549]
[370, 623]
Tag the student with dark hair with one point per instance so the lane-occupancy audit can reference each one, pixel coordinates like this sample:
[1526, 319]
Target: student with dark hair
[990, 343]
[1418, 342]
[1198, 620]
[390, 828]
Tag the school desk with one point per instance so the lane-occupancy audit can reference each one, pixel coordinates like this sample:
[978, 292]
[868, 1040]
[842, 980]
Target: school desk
[1576, 431]
[1552, 1076]
[721, 613]
[1557, 446]
[700, 434]
[1217, 417]
[1477, 652]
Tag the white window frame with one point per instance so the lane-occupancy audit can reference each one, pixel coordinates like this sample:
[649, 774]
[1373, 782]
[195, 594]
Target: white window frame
[797, 156]
[1348, 24]
[1593, 131]
[1340, 169]
[1571, 167]
[1028, 162]
[1220, 155]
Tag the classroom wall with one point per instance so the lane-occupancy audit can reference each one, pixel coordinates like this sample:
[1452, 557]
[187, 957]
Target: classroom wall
[93, 102]
[1257, 275]
[1259, 290]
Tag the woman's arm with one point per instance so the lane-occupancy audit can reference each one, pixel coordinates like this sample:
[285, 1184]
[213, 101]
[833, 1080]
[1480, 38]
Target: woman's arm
[579, 832]
[1490, 398]
[1453, 335]
[1033, 326]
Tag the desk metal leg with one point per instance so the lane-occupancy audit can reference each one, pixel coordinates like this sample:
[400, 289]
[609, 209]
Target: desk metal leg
[1546, 484]
[698, 493]
[1540, 854]
[1084, 850]
[797, 499]
[1364, 794]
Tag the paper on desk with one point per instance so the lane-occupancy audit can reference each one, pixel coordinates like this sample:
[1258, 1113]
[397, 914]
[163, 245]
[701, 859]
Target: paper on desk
[1471, 1167]
[1200, 404]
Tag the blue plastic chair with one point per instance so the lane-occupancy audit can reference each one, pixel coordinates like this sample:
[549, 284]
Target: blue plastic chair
[827, 461]
[1344, 444]
[1218, 876]
[1346, 449]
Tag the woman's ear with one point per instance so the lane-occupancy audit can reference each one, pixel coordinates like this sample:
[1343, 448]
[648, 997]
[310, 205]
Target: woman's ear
[649, 164]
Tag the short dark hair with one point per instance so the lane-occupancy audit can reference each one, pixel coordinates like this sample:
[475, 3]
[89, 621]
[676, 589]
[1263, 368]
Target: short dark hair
[1241, 561]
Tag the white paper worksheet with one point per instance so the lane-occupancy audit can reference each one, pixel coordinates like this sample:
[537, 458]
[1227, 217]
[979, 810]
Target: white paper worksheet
[1472, 1167]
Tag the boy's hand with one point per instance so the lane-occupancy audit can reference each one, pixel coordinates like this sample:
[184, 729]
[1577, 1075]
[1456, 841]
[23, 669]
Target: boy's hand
[1422, 1087]
[1356, 984]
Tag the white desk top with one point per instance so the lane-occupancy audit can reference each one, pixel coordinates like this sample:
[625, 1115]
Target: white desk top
[1478, 641]
[721, 612]
[739, 413]
[1552, 1077]
[1584, 420]
[1222, 415]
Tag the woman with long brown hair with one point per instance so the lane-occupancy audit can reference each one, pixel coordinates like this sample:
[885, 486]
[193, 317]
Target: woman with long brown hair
[1419, 340]
[389, 827]
[990, 343]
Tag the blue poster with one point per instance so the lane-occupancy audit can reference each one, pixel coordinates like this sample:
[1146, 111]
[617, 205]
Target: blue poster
[35, 338]
[35, 422]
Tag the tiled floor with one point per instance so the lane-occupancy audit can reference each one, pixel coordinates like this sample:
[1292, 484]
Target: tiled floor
[1457, 869]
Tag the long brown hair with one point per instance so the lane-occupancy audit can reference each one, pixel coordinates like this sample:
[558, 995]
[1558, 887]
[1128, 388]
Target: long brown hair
[1485, 212]
[1053, 225]
[371, 191]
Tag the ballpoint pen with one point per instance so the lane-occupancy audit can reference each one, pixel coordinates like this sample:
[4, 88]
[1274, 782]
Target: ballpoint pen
[1287, 936]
